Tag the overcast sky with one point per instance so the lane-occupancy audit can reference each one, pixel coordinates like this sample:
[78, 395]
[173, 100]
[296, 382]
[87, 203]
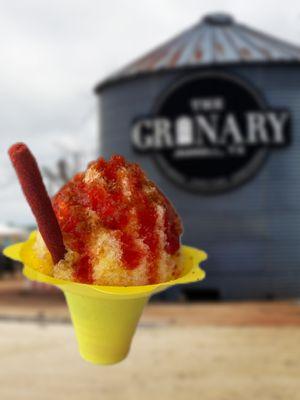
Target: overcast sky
[53, 52]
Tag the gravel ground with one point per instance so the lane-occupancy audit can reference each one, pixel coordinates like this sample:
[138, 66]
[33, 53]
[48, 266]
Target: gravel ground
[166, 362]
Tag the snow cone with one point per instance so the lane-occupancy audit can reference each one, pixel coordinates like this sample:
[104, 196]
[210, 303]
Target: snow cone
[109, 239]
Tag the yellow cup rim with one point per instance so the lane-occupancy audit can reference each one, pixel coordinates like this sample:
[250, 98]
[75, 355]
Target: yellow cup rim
[192, 272]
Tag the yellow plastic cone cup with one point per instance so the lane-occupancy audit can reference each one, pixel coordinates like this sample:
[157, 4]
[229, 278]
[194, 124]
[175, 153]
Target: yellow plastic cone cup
[104, 317]
[104, 327]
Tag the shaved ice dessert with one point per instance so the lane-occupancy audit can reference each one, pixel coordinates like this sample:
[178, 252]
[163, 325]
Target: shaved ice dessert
[109, 239]
[118, 228]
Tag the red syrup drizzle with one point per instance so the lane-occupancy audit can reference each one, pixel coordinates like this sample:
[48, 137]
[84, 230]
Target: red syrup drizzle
[114, 212]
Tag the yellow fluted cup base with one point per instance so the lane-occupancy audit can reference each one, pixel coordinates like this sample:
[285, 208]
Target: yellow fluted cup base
[104, 317]
[104, 327]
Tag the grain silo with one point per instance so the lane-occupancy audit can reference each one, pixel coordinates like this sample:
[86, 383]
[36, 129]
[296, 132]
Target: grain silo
[213, 115]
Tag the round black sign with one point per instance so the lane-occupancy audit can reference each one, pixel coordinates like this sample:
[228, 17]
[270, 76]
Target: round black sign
[211, 133]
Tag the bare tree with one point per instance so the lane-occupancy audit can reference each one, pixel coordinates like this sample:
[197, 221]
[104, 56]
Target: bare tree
[65, 167]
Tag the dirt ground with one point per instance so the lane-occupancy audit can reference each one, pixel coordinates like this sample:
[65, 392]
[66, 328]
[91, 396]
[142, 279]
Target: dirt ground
[206, 351]
[166, 362]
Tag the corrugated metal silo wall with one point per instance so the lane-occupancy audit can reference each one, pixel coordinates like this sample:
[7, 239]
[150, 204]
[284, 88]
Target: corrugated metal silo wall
[252, 234]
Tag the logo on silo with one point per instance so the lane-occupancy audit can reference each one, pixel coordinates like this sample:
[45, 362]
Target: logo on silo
[211, 133]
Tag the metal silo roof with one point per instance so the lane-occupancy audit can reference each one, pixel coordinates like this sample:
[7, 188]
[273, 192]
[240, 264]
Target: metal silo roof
[217, 39]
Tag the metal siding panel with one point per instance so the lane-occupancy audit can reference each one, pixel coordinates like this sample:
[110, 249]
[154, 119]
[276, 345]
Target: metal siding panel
[252, 233]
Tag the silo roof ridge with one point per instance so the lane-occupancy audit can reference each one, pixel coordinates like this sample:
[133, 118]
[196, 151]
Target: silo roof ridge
[216, 40]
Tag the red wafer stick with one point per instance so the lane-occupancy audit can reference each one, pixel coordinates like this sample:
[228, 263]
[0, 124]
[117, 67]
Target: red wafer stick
[37, 197]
